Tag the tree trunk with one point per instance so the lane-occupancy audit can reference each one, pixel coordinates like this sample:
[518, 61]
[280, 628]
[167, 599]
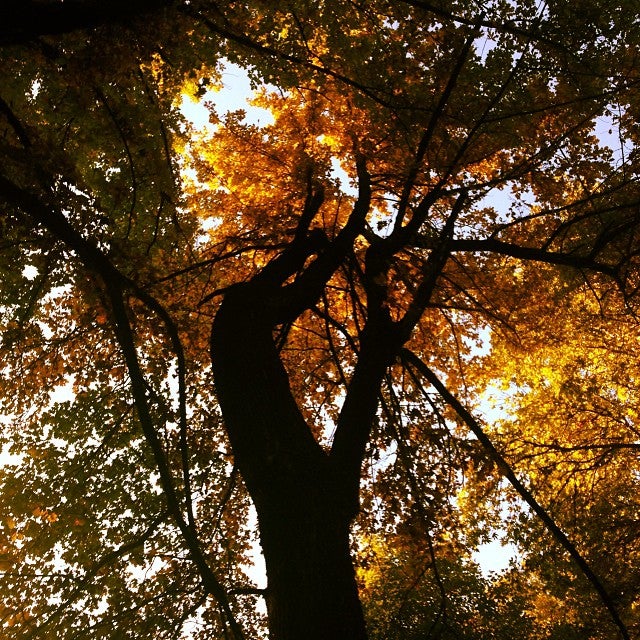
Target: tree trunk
[312, 592]
[303, 520]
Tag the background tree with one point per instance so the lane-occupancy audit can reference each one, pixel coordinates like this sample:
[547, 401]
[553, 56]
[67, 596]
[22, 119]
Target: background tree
[307, 318]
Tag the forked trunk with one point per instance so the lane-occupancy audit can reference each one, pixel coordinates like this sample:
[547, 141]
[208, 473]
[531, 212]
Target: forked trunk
[304, 524]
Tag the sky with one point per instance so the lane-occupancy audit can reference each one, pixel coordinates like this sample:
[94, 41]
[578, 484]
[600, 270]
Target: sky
[231, 96]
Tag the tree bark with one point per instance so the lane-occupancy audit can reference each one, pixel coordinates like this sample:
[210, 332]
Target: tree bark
[303, 515]
[312, 591]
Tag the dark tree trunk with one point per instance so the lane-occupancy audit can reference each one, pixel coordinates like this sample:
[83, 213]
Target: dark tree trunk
[302, 511]
[312, 592]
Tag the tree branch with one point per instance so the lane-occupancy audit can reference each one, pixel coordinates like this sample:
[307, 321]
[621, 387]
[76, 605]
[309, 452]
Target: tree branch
[504, 26]
[97, 567]
[115, 284]
[426, 140]
[412, 360]
[436, 262]
[247, 42]
[306, 290]
[490, 245]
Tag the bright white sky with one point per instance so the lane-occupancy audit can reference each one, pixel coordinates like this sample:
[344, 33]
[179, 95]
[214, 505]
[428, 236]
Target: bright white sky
[233, 95]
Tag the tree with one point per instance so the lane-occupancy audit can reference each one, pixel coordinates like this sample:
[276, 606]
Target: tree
[304, 318]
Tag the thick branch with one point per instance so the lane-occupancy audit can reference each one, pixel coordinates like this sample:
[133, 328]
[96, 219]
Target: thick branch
[490, 245]
[380, 342]
[378, 347]
[124, 335]
[274, 447]
[16, 125]
[413, 360]
[307, 288]
[433, 269]
[270, 438]
[303, 245]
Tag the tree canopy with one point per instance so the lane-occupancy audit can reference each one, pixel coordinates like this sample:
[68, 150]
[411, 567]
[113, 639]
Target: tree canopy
[393, 322]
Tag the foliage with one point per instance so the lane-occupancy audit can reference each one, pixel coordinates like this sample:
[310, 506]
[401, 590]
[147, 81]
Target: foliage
[442, 215]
